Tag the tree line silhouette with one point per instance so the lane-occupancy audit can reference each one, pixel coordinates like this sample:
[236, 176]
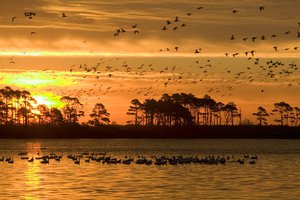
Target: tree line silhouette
[18, 107]
[187, 109]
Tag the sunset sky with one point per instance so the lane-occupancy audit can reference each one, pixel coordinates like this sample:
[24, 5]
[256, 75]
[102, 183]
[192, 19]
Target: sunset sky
[54, 53]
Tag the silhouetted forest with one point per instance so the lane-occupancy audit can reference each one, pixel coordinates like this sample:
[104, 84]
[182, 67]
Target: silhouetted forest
[172, 116]
[187, 109]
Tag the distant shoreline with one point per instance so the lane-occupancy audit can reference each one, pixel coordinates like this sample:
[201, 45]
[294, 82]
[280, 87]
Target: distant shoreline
[146, 132]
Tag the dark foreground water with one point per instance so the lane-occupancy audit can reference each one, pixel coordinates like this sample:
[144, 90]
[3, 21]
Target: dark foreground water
[276, 175]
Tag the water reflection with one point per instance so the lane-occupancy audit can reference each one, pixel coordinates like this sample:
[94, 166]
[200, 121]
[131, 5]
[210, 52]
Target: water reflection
[32, 172]
[275, 175]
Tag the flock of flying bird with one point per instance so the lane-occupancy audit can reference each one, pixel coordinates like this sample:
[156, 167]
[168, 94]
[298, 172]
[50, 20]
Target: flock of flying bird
[202, 71]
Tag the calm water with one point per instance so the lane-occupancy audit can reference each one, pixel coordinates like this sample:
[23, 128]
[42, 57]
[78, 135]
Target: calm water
[276, 175]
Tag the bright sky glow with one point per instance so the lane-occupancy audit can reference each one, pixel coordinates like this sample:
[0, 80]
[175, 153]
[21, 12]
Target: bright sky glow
[48, 99]
[79, 55]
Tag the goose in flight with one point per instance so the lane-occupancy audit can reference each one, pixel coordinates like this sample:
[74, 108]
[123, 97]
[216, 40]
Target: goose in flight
[261, 8]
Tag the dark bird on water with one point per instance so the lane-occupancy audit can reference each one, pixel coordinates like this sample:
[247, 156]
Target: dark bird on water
[253, 39]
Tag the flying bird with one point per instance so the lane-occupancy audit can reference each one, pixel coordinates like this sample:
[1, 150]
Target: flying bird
[13, 19]
[261, 8]
[64, 15]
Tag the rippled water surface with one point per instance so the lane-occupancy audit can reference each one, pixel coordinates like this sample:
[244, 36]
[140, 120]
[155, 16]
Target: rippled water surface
[276, 175]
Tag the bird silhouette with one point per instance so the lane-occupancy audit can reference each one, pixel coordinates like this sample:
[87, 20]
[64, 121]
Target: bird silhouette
[261, 8]
[13, 19]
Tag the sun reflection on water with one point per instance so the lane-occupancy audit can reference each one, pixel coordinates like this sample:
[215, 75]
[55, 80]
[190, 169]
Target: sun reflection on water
[32, 172]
